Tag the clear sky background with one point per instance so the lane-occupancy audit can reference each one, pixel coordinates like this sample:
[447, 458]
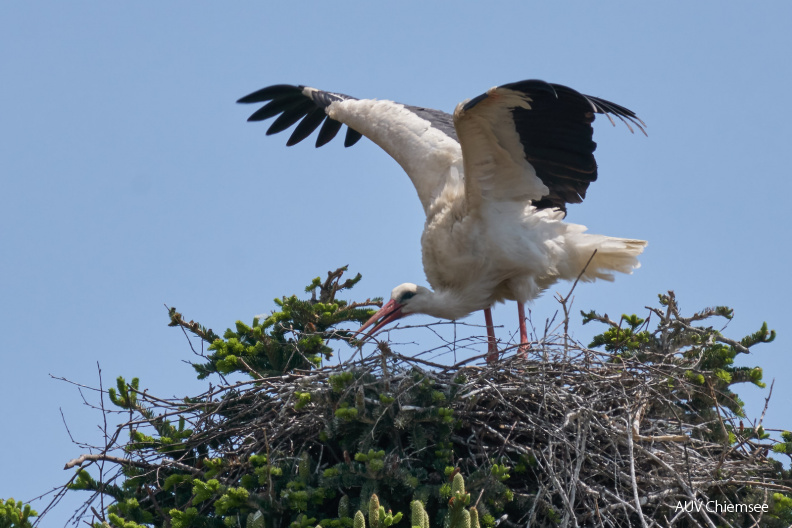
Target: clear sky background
[129, 178]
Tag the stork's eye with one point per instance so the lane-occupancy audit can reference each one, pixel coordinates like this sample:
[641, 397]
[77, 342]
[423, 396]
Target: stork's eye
[406, 296]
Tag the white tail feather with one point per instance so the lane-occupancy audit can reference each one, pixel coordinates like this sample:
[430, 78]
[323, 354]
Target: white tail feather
[612, 254]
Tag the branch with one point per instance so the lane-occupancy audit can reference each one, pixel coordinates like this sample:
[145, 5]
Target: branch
[127, 462]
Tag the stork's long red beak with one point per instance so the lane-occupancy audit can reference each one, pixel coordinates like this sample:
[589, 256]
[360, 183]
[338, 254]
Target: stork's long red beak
[387, 314]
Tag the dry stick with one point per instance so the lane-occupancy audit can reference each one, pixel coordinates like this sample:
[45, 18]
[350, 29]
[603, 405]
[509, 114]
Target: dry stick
[250, 370]
[107, 446]
[96, 513]
[63, 418]
[632, 477]
[767, 402]
[564, 300]
[481, 493]
[154, 502]
[80, 385]
[580, 449]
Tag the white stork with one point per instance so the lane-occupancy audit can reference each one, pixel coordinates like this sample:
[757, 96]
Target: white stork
[494, 180]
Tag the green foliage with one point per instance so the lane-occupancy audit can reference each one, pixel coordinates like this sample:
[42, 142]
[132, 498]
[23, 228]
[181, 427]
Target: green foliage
[500, 472]
[183, 519]
[784, 447]
[781, 507]
[203, 491]
[293, 337]
[117, 521]
[623, 338]
[232, 499]
[125, 396]
[84, 482]
[127, 513]
[15, 514]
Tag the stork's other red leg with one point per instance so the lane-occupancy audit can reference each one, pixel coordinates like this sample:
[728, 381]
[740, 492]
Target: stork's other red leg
[492, 346]
[524, 346]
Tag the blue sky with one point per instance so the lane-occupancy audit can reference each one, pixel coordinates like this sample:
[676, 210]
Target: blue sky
[130, 179]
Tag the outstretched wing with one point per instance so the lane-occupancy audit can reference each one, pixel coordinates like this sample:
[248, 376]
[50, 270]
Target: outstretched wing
[532, 141]
[423, 141]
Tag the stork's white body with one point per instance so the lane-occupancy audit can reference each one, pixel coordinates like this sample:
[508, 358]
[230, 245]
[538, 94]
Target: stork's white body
[494, 181]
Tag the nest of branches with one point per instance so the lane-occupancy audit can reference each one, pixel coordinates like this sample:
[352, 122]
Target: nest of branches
[591, 439]
[646, 432]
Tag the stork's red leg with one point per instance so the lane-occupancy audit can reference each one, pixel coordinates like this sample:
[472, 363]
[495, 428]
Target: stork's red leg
[524, 346]
[492, 346]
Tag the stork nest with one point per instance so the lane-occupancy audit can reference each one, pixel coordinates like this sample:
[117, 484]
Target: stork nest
[588, 439]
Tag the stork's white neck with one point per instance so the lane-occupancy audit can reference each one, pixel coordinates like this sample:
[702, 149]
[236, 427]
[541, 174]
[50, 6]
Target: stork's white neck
[445, 304]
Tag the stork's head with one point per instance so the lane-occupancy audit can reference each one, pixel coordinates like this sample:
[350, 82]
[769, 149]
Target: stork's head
[406, 299]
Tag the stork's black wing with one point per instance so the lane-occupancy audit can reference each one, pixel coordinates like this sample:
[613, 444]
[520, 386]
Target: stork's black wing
[553, 123]
[299, 103]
